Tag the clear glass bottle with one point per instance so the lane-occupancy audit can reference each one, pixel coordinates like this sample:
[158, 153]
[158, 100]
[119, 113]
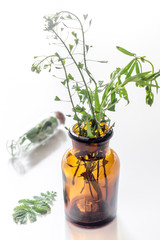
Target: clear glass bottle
[90, 178]
[36, 136]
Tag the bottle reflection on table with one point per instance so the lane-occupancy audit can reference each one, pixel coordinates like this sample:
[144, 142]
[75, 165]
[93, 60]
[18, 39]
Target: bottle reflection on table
[108, 231]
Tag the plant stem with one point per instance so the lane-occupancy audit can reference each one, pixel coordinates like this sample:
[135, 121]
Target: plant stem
[106, 97]
[84, 51]
[140, 64]
[97, 170]
[73, 180]
[90, 187]
[106, 181]
[89, 97]
[69, 92]
[45, 59]
[150, 64]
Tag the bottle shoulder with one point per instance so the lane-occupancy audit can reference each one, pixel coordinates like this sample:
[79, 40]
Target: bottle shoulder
[111, 156]
[114, 156]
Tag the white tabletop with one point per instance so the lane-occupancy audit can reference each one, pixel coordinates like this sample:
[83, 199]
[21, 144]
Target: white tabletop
[26, 96]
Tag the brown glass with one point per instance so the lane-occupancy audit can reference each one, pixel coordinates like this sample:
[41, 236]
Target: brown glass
[90, 178]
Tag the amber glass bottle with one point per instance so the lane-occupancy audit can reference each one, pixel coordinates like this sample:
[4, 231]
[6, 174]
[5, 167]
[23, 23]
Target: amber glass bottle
[90, 178]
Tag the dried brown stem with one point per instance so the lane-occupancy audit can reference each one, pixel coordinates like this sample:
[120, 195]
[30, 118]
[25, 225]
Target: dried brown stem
[106, 181]
[73, 181]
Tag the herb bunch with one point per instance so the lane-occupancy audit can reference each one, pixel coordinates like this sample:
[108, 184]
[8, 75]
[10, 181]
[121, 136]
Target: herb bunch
[95, 98]
[29, 209]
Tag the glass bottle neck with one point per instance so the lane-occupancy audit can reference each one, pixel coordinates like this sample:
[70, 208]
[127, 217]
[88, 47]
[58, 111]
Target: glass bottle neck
[90, 147]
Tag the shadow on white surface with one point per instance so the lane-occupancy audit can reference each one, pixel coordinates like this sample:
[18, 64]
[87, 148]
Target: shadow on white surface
[107, 232]
[25, 163]
[112, 231]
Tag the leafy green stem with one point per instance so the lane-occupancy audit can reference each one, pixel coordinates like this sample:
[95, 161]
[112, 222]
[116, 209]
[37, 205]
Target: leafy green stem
[84, 50]
[45, 59]
[89, 97]
[109, 86]
[69, 92]
[30, 208]
[139, 64]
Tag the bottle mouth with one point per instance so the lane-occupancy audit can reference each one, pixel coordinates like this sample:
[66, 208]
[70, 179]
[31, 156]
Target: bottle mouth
[60, 117]
[82, 139]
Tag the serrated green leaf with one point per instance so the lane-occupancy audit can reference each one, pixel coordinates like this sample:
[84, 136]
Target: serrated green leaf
[29, 208]
[27, 201]
[20, 218]
[23, 219]
[22, 208]
[39, 210]
[32, 216]
[37, 198]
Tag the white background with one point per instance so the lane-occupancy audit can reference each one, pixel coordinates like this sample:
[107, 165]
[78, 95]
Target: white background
[25, 96]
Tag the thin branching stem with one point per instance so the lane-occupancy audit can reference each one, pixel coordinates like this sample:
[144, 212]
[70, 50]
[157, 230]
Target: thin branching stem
[84, 50]
[45, 59]
[89, 97]
[150, 64]
[69, 92]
